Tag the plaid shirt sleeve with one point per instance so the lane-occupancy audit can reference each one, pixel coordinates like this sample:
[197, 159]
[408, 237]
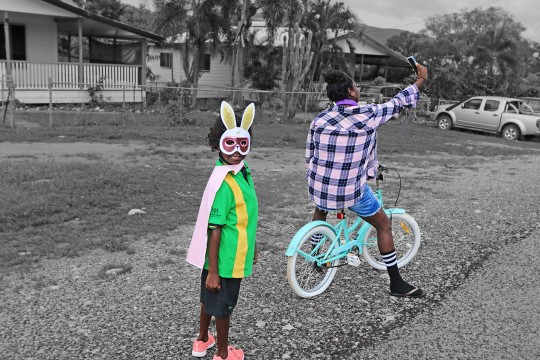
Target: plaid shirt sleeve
[384, 112]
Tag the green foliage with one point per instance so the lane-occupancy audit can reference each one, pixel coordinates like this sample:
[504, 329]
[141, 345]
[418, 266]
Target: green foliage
[94, 91]
[476, 52]
[112, 9]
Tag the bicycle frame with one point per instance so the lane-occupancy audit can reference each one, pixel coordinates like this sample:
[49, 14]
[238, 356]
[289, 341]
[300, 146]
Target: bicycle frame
[342, 244]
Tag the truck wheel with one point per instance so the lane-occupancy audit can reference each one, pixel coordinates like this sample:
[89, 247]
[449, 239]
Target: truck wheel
[511, 132]
[444, 122]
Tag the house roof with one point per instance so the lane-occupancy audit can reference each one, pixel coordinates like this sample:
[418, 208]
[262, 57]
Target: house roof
[93, 24]
[373, 50]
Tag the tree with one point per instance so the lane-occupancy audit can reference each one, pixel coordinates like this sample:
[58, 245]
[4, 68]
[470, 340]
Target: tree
[112, 9]
[324, 17]
[204, 25]
[473, 52]
[140, 17]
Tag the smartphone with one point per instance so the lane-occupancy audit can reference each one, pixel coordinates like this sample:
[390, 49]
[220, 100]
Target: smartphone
[412, 61]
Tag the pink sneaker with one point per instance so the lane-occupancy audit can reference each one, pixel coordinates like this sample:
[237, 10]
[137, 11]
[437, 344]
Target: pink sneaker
[200, 347]
[234, 354]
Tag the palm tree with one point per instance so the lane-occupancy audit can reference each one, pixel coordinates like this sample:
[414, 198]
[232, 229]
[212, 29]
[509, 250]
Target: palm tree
[326, 20]
[203, 23]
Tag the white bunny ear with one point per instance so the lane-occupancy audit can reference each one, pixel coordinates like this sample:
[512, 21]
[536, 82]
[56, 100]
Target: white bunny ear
[247, 118]
[227, 115]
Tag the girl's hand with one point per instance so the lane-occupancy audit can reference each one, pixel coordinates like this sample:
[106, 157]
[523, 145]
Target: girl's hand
[213, 282]
[422, 71]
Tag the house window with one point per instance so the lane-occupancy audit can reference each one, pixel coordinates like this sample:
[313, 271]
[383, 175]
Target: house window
[17, 41]
[165, 60]
[205, 62]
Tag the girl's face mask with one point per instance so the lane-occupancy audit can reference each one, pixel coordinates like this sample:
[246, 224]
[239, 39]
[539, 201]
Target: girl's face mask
[236, 138]
[229, 145]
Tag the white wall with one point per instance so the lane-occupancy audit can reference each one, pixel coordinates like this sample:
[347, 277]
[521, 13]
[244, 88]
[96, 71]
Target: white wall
[41, 36]
[218, 76]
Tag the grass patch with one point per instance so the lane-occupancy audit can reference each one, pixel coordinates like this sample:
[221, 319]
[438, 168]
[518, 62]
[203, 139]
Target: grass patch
[63, 209]
[52, 210]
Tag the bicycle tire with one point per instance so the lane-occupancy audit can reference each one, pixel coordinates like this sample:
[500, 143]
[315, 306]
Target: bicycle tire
[305, 278]
[406, 234]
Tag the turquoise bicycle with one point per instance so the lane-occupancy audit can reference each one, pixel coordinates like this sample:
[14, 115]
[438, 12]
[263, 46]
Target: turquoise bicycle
[312, 265]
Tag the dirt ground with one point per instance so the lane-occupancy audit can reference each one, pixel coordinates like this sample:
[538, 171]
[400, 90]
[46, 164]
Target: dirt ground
[469, 207]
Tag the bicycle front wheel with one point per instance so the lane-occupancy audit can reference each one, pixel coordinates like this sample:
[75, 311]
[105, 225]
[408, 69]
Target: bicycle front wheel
[406, 234]
[305, 277]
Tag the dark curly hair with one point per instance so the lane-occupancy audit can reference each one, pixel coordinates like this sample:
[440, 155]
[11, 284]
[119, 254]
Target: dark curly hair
[337, 84]
[218, 129]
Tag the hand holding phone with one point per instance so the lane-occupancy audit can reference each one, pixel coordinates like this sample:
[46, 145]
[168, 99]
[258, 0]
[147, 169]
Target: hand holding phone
[412, 61]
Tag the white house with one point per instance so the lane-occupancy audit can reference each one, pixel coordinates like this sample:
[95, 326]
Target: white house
[166, 64]
[95, 50]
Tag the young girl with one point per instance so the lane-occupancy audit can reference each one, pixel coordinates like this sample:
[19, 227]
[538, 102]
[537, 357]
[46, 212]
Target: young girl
[341, 156]
[223, 243]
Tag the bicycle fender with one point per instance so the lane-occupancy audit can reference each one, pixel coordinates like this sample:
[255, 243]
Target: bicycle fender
[394, 211]
[300, 234]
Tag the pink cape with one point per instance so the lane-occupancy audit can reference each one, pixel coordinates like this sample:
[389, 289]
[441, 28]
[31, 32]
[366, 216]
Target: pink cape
[197, 249]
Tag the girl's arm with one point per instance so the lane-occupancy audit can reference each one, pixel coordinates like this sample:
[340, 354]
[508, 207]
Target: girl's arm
[213, 281]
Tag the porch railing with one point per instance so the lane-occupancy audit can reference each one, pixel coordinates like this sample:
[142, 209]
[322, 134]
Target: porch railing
[33, 75]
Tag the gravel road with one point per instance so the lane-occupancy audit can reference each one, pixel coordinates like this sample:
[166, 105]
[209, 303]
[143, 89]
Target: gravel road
[478, 262]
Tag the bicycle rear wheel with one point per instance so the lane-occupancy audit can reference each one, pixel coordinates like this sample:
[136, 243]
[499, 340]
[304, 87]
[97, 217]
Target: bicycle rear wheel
[406, 233]
[305, 277]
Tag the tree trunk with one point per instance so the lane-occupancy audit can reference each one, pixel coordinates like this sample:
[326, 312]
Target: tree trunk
[240, 56]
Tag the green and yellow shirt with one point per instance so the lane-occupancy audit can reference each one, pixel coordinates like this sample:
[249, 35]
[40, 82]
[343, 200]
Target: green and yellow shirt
[236, 210]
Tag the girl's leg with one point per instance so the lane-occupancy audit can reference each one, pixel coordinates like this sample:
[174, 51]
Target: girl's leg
[222, 329]
[319, 214]
[385, 241]
[204, 324]
[383, 225]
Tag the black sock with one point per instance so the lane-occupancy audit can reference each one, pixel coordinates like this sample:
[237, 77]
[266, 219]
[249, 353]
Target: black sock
[397, 284]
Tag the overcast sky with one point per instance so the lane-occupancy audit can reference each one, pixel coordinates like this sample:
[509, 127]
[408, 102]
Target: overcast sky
[410, 14]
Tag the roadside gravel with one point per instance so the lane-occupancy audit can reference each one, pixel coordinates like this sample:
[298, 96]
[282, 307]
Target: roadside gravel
[479, 219]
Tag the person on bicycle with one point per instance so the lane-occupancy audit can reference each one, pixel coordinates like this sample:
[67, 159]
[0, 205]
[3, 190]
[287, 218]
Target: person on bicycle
[341, 156]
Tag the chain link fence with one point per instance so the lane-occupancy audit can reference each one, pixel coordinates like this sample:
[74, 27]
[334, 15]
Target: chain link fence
[177, 105]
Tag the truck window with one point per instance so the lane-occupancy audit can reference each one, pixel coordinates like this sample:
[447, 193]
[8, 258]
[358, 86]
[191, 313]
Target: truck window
[473, 104]
[491, 105]
[512, 107]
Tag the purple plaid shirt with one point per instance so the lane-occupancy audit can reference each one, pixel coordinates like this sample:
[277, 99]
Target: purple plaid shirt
[341, 149]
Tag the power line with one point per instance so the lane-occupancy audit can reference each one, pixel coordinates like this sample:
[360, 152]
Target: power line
[443, 15]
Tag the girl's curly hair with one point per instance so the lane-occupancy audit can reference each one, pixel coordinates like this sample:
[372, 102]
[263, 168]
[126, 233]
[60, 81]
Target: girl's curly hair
[217, 130]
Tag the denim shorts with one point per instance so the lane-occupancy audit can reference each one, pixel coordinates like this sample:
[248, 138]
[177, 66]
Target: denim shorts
[368, 204]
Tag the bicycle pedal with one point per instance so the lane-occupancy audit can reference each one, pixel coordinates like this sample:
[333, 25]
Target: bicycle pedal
[353, 260]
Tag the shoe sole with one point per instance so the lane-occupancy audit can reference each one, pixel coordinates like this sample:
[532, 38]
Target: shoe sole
[201, 354]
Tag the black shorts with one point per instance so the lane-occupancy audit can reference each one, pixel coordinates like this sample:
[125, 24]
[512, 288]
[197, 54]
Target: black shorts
[220, 304]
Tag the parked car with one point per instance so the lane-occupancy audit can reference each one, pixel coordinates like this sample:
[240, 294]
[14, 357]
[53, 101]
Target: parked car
[510, 117]
[533, 102]
[377, 94]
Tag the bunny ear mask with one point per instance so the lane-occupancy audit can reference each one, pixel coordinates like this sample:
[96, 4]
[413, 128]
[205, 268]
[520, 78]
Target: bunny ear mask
[236, 139]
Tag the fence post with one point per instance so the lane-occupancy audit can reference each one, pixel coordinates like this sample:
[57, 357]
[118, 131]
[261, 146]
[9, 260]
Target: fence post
[50, 102]
[142, 100]
[10, 100]
[123, 99]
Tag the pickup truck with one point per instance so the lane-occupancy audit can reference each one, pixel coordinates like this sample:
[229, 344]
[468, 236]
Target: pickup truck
[510, 117]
